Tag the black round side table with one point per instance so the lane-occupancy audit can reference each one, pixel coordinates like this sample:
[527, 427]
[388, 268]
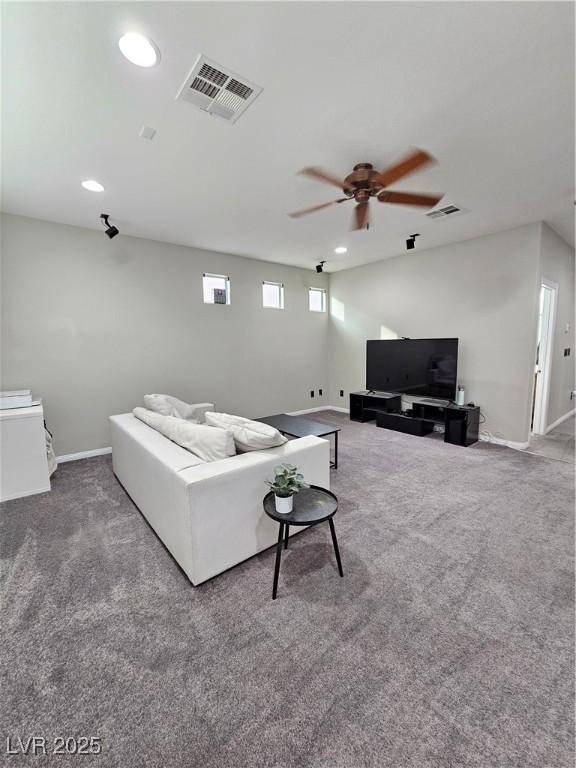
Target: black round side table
[312, 505]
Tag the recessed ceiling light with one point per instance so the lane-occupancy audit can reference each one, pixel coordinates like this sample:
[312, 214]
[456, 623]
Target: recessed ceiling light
[139, 50]
[92, 186]
[341, 249]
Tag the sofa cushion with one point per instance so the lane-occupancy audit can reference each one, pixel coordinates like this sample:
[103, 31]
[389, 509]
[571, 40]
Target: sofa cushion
[165, 451]
[248, 435]
[208, 443]
[167, 405]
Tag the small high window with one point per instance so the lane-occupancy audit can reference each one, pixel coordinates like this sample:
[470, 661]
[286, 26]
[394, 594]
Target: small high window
[317, 300]
[216, 289]
[272, 295]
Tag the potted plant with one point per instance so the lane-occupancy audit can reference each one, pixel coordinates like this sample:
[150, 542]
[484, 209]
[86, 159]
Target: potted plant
[287, 481]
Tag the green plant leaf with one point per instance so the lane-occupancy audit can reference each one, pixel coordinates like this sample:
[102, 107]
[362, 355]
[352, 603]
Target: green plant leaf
[287, 480]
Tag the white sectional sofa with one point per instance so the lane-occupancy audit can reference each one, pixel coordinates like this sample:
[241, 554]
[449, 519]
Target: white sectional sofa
[209, 515]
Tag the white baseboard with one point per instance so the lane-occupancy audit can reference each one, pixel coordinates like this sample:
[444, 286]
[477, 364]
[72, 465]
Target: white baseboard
[82, 455]
[483, 437]
[559, 421]
[507, 443]
[317, 408]
[12, 496]
[308, 410]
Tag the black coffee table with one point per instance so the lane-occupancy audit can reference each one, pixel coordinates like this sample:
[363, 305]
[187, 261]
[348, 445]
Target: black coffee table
[297, 426]
[312, 505]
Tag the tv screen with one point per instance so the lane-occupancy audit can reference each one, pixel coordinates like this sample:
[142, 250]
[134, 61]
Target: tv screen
[424, 367]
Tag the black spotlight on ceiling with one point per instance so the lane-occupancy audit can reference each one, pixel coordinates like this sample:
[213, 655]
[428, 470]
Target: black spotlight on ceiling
[411, 242]
[111, 230]
[320, 267]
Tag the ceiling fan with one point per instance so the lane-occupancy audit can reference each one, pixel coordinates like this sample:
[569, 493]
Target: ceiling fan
[364, 182]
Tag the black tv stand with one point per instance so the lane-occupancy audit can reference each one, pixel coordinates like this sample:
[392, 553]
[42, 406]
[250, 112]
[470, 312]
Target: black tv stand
[461, 422]
[364, 406]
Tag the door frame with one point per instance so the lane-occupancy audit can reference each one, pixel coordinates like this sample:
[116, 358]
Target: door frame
[542, 396]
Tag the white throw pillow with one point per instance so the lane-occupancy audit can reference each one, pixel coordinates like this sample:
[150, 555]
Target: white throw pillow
[171, 406]
[248, 435]
[208, 443]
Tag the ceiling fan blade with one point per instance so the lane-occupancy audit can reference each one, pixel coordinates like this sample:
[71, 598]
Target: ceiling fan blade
[360, 216]
[409, 198]
[414, 160]
[304, 211]
[319, 174]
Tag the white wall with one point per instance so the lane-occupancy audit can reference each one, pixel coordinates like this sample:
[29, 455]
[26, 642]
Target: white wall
[557, 265]
[92, 324]
[483, 291]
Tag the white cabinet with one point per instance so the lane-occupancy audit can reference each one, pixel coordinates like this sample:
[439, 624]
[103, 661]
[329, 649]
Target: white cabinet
[23, 459]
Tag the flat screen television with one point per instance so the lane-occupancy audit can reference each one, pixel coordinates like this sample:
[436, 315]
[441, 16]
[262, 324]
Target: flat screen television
[422, 367]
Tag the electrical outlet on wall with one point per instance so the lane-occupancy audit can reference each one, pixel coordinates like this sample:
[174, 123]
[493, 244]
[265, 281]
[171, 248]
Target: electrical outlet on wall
[341, 393]
[311, 393]
[320, 392]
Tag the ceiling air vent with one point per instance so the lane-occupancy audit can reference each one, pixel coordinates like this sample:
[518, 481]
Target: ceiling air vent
[217, 90]
[441, 213]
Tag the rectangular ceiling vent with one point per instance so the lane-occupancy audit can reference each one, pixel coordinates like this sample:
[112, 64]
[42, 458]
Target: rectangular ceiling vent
[441, 213]
[217, 90]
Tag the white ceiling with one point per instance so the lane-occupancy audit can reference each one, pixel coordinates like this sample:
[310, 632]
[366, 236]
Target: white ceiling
[488, 88]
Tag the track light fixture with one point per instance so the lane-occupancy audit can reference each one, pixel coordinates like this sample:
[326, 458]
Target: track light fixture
[320, 267]
[411, 242]
[111, 230]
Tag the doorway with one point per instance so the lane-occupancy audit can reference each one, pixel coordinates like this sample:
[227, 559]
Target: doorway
[544, 347]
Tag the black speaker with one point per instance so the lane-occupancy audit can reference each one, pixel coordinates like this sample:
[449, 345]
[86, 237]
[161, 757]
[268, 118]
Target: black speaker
[407, 424]
[461, 425]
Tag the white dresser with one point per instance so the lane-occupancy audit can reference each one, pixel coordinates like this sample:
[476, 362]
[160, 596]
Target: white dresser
[23, 459]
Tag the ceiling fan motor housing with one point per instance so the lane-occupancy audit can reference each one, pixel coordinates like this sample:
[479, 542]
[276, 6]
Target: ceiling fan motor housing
[360, 183]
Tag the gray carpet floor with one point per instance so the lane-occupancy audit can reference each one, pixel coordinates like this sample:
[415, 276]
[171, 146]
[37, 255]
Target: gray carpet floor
[449, 643]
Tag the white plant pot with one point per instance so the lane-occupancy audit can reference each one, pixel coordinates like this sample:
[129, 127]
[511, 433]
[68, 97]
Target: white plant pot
[283, 504]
